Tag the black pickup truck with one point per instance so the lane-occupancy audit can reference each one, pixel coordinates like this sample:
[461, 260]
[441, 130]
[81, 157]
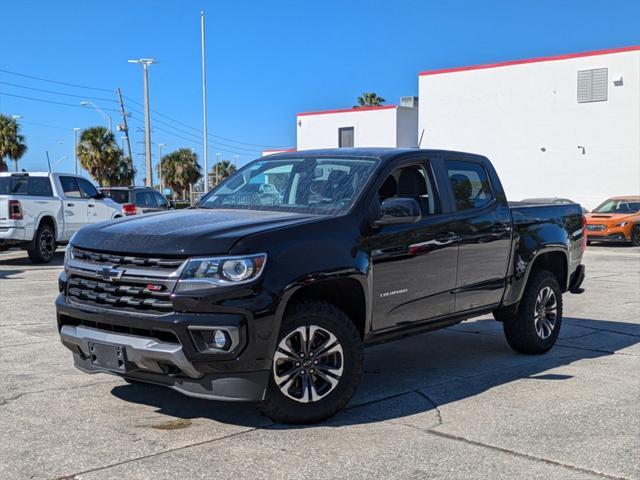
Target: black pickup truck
[269, 294]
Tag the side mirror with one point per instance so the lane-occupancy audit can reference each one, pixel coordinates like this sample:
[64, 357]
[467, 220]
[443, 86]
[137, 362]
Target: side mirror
[395, 211]
[99, 196]
[172, 204]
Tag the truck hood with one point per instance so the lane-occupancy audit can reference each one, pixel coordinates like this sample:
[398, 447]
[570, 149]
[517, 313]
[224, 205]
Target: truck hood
[183, 232]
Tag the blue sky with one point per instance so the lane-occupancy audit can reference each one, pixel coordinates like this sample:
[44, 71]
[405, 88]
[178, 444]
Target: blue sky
[266, 60]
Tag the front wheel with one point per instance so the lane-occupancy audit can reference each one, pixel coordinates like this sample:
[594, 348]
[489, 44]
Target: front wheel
[44, 245]
[635, 236]
[535, 326]
[317, 365]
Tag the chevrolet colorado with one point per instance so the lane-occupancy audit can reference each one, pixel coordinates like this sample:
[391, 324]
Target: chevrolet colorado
[270, 294]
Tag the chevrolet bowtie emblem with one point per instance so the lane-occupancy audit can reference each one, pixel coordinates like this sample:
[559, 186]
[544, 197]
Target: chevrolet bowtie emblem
[110, 273]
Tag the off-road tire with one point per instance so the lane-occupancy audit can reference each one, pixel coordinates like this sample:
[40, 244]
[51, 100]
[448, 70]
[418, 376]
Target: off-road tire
[520, 329]
[282, 409]
[44, 245]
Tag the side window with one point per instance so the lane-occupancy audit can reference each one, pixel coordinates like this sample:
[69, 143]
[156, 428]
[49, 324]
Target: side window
[70, 187]
[150, 199]
[469, 183]
[412, 182]
[40, 187]
[141, 200]
[86, 188]
[160, 199]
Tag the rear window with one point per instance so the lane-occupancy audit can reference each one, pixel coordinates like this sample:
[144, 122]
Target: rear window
[118, 196]
[23, 185]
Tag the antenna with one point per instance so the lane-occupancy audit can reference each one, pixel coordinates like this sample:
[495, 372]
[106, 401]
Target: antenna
[421, 135]
[48, 161]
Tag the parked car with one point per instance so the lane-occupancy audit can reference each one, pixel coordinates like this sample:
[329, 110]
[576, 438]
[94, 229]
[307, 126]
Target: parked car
[615, 220]
[138, 200]
[39, 210]
[552, 200]
[274, 302]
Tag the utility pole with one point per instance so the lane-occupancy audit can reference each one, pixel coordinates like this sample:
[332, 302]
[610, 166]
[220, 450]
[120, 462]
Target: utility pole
[75, 148]
[160, 145]
[205, 145]
[125, 126]
[146, 62]
[216, 167]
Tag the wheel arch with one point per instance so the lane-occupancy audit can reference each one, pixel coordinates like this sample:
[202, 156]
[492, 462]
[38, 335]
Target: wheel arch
[47, 219]
[348, 293]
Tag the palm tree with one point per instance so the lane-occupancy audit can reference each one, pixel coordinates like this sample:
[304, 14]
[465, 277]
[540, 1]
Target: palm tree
[180, 169]
[369, 99]
[220, 171]
[100, 155]
[11, 142]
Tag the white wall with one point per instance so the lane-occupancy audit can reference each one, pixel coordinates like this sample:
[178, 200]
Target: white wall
[509, 113]
[389, 126]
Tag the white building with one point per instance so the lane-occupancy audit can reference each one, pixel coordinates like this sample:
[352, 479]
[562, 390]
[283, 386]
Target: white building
[383, 126]
[566, 126]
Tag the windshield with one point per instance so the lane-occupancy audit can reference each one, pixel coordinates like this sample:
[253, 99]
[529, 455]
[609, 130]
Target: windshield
[323, 186]
[618, 206]
[119, 196]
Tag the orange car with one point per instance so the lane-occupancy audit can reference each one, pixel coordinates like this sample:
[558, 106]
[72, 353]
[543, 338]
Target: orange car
[615, 220]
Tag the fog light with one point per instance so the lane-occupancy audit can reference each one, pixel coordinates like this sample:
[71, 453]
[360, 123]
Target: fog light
[219, 339]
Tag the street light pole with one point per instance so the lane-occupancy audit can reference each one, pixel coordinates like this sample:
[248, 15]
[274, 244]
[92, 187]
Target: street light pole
[205, 145]
[107, 117]
[75, 148]
[145, 62]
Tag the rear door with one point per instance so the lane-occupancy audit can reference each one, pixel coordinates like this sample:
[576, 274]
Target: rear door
[483, 227]
[75, 207]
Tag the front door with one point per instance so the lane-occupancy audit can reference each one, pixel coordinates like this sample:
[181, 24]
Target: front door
[414, 265]
[483, 226]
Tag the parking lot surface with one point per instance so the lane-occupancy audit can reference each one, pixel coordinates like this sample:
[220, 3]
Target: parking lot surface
[451, 404]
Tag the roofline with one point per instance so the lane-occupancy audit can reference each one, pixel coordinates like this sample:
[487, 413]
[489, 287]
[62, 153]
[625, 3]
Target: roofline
[345, 110]
[292, 149]
[633, 48]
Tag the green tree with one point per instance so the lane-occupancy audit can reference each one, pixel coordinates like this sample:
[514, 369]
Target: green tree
[220, 171]
[179, 170]
[369, 99]
[100, 155]
[12, 143]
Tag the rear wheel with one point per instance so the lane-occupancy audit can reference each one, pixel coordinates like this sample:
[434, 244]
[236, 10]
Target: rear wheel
[635, 236]
[44, 245]
[535, 327]
[317, 365]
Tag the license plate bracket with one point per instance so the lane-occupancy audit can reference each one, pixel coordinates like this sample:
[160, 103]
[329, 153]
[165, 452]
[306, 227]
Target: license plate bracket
[108, 356]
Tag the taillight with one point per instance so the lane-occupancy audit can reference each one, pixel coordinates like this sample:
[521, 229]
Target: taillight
[15, 210]
[584, 233]
[129, 209]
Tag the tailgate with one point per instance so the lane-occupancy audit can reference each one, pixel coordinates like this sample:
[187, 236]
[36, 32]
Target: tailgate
[4, 208]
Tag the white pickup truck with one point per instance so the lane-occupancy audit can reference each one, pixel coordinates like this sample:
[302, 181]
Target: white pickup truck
[39, 210]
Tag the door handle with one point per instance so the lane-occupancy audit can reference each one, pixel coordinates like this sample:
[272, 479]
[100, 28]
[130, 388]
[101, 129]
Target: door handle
[500, 228]
[69, 204]
[90, 205]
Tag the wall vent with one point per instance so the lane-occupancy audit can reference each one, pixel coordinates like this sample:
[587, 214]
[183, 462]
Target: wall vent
[411, 102]
[592, 85]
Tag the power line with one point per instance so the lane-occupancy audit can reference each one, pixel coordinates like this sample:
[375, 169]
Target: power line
[49, 101]
[58, 93]
[199, 130]
[75, 85]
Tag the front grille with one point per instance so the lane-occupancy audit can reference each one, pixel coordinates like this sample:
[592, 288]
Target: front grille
[122, 261]
[122, 295]
[161, 335]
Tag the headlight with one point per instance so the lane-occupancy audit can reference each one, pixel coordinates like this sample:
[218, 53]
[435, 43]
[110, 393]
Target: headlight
[212, 272]
[621, 224]
[68, 255]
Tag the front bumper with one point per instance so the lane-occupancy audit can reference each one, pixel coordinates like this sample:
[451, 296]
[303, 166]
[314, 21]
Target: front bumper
[611, 237]
[161, 350]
